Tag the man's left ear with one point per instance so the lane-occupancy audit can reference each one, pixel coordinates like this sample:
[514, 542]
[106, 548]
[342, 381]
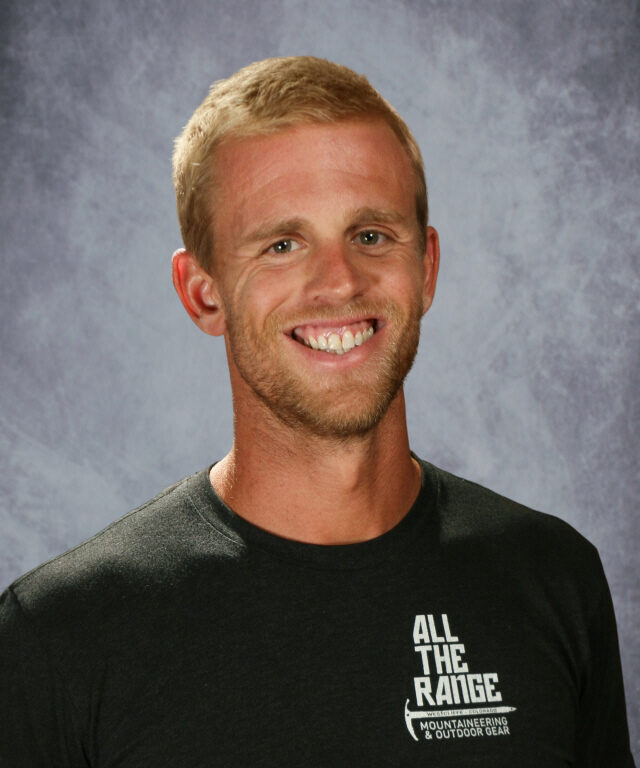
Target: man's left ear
[431, 263]
[198, 293]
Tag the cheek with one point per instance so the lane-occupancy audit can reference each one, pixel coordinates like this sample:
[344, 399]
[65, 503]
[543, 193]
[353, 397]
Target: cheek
[261, 296]
[404, 285]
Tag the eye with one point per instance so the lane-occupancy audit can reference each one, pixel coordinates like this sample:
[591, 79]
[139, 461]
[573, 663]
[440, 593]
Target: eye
[284, 246]
[370, 237]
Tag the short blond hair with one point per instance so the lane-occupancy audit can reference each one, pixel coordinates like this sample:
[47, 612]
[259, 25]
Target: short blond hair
[262, 98]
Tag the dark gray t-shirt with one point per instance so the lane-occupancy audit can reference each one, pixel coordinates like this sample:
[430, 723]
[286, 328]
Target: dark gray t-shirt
[476, 632]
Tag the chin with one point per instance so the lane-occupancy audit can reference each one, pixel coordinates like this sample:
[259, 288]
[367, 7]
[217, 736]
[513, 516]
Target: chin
[355, 414]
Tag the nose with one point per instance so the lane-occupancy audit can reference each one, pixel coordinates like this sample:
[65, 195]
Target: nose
[336, 275]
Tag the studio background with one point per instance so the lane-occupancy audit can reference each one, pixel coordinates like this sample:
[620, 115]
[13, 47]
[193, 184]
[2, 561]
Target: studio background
[528, 116]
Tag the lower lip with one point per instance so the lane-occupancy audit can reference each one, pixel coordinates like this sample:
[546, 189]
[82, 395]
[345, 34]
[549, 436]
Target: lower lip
[334, 360]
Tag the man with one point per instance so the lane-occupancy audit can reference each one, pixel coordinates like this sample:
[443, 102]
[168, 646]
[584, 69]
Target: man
[319, 596]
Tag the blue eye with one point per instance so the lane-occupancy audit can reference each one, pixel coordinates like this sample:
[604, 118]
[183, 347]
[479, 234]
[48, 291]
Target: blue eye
[284, 246]
[370, 237]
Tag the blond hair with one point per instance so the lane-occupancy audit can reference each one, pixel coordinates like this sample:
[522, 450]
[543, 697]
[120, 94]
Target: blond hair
[265, 97]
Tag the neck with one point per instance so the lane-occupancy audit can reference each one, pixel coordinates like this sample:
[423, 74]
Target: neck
[319, 490]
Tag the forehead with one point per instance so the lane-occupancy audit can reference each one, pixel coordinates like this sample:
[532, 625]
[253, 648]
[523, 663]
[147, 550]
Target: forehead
[318, 144]
[308, 165]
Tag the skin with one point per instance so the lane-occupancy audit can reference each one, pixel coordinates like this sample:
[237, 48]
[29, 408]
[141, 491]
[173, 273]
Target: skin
[314, 229]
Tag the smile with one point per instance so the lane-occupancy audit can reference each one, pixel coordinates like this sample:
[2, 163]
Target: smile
[336, 340]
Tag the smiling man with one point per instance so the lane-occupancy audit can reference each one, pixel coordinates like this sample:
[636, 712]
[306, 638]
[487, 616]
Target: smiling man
[319, 596]
[318, 276]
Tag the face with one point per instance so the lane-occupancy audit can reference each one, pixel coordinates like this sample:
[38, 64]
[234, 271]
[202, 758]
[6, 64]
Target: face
[318, 273]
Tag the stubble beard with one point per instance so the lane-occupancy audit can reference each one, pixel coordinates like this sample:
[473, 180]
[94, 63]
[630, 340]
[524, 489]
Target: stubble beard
[339, 405]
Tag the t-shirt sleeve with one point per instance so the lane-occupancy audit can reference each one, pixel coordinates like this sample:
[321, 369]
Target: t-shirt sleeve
[602, 736]
[36, 715]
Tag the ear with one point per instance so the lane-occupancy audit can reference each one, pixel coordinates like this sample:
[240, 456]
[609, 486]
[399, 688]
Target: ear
[197, 291]
[430, 263]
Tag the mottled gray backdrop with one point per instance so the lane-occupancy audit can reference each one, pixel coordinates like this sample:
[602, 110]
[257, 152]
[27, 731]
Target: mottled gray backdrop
[527, 379]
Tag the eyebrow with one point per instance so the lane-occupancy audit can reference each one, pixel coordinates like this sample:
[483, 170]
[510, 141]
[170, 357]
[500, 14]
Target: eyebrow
[273, 229]
[381, 215]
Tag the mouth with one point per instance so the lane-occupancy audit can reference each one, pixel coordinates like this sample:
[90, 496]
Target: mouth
[336, 339]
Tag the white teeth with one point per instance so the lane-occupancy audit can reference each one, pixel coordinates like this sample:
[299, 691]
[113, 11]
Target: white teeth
[348, 342]
[336, 345]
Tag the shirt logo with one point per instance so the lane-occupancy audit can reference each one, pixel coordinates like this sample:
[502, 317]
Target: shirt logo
[450, 701]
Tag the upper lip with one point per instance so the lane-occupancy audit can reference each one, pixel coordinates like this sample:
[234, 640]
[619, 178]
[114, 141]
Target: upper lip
[334, 322]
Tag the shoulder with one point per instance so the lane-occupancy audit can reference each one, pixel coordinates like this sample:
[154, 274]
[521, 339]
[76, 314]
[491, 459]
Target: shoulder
[146, 547]
[470, 509]
[511, 535]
